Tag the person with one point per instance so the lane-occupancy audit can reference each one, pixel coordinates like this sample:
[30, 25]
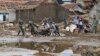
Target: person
[57, 30]
[46, 23]
[65, 22]
[46, 27]
[54, 29]
[44, 20]
[76, 21]
[49, 20]
[21, 28]
[94, 24]
[80, 25]
[32, 26]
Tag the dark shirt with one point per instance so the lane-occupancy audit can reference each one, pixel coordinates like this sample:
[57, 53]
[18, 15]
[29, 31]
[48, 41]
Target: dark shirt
[32, 26]
[20, 24]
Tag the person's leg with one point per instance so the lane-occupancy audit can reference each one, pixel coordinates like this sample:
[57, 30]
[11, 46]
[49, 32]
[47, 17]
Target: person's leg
[52, 32]
[58, 33]
[23, 32]
[82, 28]
[31, 32]
[18, 33]
[79, 28]
[93, 29]
[65, 24]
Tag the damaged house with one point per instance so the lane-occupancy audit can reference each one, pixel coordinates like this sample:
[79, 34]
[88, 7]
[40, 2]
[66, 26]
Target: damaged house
[6, 14]
[36, 11]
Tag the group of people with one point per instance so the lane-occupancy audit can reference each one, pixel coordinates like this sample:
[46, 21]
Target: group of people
[49, 28]
[84, 25]
[78, 21]
[52, 26]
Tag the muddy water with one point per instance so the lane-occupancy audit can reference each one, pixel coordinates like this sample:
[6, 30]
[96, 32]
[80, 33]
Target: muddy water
[53, 46]
[56, 46]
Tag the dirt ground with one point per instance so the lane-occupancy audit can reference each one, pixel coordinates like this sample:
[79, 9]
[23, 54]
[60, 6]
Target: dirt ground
[65, 41]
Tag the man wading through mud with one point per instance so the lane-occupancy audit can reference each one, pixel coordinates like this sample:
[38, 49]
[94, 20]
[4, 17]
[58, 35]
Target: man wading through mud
[21, 29]
[94, 24]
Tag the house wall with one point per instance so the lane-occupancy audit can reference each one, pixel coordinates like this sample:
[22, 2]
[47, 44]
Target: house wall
[23, 14]
[52, 10]
[45, 10]
[11, 15]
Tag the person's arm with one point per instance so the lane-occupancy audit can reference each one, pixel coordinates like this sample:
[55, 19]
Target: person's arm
[35, 25]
